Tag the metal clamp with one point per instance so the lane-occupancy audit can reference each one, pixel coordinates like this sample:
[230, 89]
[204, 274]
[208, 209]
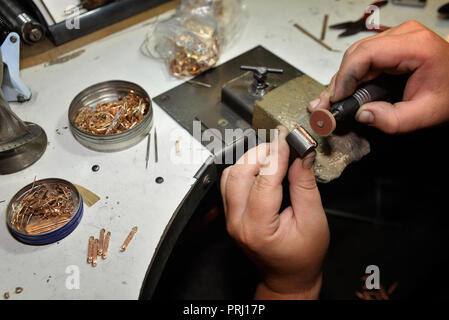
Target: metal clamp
[258, 88]
[13, 87]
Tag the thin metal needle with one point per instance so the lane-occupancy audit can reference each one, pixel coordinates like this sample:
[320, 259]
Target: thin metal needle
[148, 150]
[323, 30]
[307, 33]
[155, 145]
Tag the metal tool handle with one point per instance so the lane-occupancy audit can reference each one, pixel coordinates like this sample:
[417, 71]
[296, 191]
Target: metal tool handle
[260, 73]
[383, 88]
[261, 70]
[27, 27]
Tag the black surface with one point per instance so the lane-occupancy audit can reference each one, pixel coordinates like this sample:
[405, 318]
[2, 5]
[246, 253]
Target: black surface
[176, 225]
[400, 189]
[100, 18]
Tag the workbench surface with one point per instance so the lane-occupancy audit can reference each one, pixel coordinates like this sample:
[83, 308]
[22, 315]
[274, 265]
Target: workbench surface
[129, 194]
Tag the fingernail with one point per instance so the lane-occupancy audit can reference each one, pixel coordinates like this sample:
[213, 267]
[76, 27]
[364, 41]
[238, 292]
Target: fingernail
[307, 162]
[282, 131]
[366, 117]
[314, 103]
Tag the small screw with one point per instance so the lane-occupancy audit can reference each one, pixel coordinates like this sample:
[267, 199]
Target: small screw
[21, 98]
[159, 180]
[207, 180]
[95, 168]
[13, 39]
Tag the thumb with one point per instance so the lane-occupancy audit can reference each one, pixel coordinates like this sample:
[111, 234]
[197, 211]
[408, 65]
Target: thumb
[304, 194]
[379, 114]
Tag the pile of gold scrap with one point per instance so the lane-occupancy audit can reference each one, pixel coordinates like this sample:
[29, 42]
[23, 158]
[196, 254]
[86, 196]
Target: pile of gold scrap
[185, 64]
[43, 208]
[98, 247]
[112, 117]
[376, 294]
[195, 51]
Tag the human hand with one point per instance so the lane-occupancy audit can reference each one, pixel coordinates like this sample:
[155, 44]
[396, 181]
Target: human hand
[289, 246]
[411, 49]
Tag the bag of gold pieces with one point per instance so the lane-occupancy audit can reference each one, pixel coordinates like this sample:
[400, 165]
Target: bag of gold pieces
[196, 49]
[98, 247]
[112, 117]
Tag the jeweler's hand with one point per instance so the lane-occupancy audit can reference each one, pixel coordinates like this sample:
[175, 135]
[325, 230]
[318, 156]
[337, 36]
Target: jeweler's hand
[408, 48]
[288, 246]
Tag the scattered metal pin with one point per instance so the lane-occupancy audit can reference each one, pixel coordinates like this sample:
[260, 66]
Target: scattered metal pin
[323, 30]
[178, 151]
[106, 245]
[307, 33]
[90, 250]
[101, 242]
[202, 84]
[156, 156]
[147, 158]
[128, 239]
[94, 253]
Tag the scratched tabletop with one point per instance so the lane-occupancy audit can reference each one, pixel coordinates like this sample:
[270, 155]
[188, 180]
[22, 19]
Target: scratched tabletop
[129, 194]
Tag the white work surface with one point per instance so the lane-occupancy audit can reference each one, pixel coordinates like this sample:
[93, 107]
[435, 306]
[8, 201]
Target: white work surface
[129, 195]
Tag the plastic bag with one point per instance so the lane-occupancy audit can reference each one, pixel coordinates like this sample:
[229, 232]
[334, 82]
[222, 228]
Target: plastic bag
[192, 40]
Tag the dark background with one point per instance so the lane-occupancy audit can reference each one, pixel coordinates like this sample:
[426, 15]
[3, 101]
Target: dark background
[389, 210]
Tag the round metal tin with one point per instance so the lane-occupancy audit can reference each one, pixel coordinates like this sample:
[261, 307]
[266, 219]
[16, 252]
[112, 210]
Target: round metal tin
[107, 92]
[51, 235]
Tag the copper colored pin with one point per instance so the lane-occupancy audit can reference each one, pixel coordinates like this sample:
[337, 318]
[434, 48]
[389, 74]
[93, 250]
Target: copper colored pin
[101, 242]
[94, 253]
[322, 121]
[106, 245]
[323, 30]
[90, 250]
[128, 239]
[18, 290]
[177, 148]
[306, 135]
